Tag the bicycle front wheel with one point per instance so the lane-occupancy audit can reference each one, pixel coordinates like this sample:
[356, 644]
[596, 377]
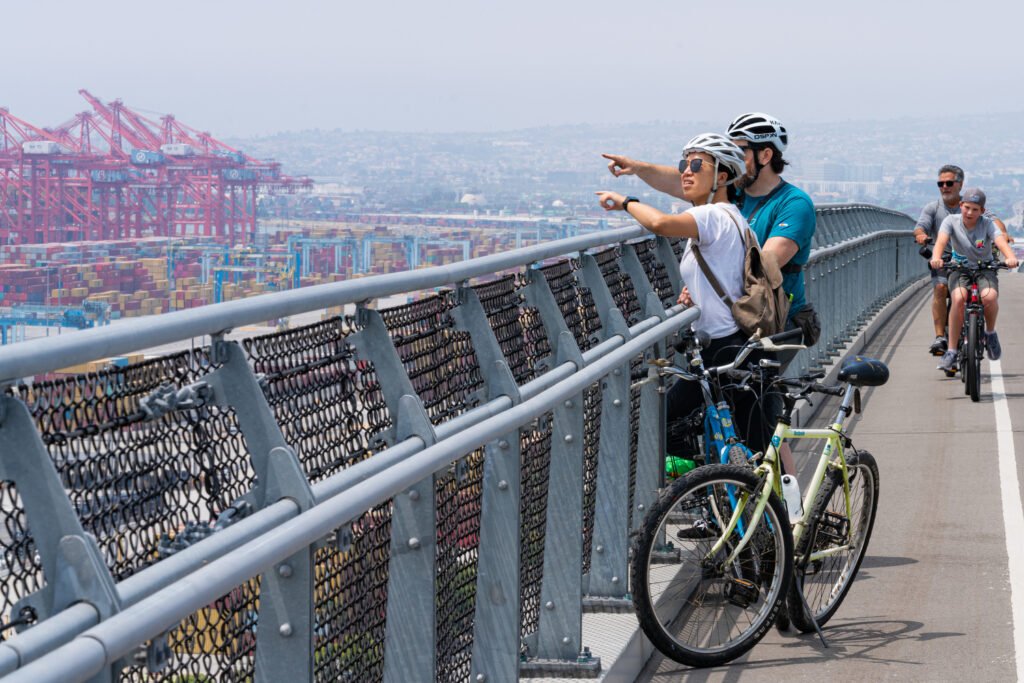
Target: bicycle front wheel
[827, 580]
[973, 373]
[693, 605]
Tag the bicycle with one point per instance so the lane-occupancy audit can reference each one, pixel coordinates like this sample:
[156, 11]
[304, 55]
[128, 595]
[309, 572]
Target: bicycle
[716, 557]
[970, 348]
[713, 421]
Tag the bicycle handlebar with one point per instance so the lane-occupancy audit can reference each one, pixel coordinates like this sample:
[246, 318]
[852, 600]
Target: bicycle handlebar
[987, 265]
[806, 384]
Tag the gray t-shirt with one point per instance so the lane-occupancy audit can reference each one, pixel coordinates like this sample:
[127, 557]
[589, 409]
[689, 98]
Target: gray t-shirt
[935, 212]
[975, 244]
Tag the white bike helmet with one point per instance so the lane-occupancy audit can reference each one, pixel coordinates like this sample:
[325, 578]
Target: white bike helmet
[759, 128]
[726, 153]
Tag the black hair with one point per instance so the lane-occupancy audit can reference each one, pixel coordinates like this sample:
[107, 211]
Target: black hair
[958, 173]
[777, 162]
[733, 193]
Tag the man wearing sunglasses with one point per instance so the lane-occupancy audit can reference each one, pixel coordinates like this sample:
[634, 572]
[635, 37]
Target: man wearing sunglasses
[951, 182]
[780, 214]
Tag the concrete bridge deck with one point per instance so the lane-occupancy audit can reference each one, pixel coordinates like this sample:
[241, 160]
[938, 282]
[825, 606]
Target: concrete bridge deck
[933, 599]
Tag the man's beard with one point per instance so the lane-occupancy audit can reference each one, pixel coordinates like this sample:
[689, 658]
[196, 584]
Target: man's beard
[745, 181]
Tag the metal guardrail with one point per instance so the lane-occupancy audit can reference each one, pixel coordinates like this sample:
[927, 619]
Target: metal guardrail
[417, 493]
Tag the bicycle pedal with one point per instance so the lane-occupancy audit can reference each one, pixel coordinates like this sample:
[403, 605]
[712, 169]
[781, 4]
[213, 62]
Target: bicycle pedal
[833, 528]
[950, 373]
[741, 592]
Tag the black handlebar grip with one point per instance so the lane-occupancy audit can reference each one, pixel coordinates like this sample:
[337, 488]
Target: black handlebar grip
[795, 333]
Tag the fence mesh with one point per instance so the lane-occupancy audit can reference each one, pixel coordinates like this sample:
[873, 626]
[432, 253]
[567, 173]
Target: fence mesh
[147, 488]
[331, 410]
[444, 371]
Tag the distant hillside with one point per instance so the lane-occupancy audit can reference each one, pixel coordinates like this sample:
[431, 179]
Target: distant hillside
[982, 144]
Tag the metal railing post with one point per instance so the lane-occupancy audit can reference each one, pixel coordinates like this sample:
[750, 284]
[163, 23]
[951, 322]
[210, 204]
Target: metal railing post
[284, 640]
[650, 442]
[73, 566]
[410, 641]
[496, 637]
[560, 625]
[609, 563]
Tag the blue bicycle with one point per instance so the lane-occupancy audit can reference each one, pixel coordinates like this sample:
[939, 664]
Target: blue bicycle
[713, 421]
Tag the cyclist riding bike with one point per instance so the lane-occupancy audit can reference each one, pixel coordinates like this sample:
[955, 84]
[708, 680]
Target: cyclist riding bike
[971, 236]
[950, 182]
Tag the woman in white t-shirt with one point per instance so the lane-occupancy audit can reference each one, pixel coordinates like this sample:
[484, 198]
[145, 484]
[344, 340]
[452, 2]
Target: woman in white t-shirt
[711, 164]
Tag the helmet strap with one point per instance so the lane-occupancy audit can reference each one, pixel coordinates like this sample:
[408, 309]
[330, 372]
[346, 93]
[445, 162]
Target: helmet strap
[714, 184]
[757, 162]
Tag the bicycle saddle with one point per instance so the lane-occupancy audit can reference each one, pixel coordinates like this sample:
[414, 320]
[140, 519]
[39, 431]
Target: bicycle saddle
[861, 371]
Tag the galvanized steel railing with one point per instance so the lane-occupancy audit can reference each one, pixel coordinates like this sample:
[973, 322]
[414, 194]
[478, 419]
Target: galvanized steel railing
[430, 491]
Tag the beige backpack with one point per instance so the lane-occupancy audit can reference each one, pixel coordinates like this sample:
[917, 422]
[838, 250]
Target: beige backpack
[764, 305]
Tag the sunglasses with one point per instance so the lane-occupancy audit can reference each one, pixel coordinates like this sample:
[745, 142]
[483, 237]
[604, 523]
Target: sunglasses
[946, 183]
[695, 165]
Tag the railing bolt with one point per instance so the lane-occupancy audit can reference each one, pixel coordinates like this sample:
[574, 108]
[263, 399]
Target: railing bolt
[599, 548]
[503, 444]
[568, 438]
[502, 485]
[640, 507]
[285, 630]
[616, 372]
[414, 543]
[615, 580]
[549, 605]
[617, 403]
[480, 678]
[566, 641]
[284, 571]
[414, 495]
[568, 404]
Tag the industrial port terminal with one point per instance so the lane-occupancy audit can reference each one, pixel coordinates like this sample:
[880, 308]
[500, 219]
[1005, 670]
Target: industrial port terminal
[115, 215]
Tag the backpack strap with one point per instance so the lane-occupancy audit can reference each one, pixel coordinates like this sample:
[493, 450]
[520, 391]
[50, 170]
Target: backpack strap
[707, 269]
[709, 275]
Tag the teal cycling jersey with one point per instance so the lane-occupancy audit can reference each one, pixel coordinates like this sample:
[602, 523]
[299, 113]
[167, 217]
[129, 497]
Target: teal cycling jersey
[787, 211]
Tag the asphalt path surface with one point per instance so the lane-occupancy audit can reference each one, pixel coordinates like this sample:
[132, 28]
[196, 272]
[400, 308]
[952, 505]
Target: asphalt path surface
[933, 600]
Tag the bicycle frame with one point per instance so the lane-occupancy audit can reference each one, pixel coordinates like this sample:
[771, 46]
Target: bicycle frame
[832, 455]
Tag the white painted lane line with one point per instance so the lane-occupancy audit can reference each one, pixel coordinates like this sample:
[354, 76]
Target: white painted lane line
[1013, 513]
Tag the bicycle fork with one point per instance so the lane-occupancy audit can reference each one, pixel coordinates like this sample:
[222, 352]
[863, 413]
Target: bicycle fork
[766, 487]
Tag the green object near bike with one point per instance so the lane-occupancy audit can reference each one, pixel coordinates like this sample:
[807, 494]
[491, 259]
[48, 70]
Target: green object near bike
[676, 466]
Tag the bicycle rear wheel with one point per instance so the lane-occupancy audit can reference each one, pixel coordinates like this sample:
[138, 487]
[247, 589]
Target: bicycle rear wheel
[691, 606]
[827, 580]
[973, 373]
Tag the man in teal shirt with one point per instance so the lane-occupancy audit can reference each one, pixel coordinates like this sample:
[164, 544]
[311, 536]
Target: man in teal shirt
[780, 214]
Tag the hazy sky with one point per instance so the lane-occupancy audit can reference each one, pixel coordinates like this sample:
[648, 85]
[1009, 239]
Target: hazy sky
[257, 67]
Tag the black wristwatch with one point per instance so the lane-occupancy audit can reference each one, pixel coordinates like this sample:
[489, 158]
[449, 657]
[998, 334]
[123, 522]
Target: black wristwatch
[627, 200]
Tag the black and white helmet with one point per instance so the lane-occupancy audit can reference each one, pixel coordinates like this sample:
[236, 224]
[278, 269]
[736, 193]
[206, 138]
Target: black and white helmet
[726, 153]
[759, 128]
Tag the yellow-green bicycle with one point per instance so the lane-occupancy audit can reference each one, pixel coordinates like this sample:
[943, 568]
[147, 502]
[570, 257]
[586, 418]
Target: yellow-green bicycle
[718, 558]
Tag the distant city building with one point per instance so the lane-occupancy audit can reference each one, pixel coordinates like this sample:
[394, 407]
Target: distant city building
[833, 171]
[471, 199]
[831, 190]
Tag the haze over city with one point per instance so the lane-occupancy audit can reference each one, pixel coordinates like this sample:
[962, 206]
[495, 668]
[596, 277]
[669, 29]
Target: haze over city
[259, 67]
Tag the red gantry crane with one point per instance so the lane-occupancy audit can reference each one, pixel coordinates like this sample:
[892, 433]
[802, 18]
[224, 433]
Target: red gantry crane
[112, 173]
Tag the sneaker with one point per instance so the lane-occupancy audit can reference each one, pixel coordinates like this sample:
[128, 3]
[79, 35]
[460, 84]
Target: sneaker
[992, 348]
[948, 360]
[938, 346]
[699, 531]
